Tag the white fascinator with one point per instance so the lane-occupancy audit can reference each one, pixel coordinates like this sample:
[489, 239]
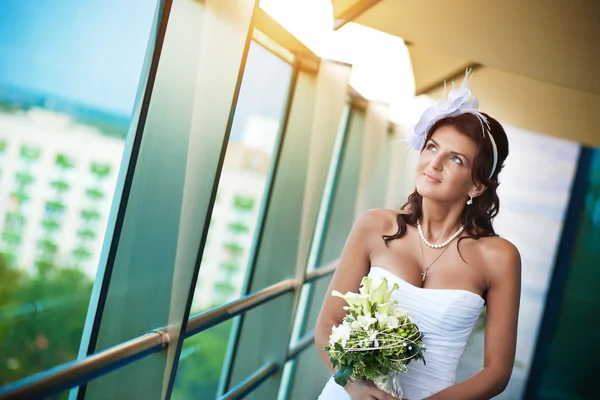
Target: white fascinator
[459, 101]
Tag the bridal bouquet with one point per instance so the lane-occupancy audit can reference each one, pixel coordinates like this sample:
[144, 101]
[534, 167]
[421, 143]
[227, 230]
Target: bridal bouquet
[376, 338]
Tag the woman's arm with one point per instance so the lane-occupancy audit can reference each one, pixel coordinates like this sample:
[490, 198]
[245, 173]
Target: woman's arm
[353, 265]
[503, 266]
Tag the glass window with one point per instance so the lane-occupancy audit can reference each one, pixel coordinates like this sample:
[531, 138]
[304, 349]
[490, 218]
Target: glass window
[572, 354]
[236, 215]
[67, 91]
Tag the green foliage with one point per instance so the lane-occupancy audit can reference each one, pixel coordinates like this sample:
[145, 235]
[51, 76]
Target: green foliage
[15, 219]
[100, 170]
[60, 186]
[41, 318]
[55, 206]
[238, 227]
[375, 338]
[90, 215]
[225, 288]
[201, 364]
[30, 153]
[41, 322]
[64, 162]
[234, 248]
[230, 267]
[244, 203]
[24, 178]
[81, 253]
[48, 246]
[11, 237]
[86, 234]
[50, 225]
[20, 196]
[94, 194]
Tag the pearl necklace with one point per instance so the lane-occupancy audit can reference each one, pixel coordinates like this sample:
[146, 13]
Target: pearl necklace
[438, 246]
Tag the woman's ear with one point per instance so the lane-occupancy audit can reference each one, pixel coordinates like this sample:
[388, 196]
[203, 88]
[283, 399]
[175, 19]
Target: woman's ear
[478, 190]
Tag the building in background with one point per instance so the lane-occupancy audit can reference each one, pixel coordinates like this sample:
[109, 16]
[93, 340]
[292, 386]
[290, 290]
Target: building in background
[57, 180]
[236, 213]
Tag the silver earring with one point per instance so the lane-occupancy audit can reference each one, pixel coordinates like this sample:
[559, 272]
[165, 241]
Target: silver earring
[470, 201]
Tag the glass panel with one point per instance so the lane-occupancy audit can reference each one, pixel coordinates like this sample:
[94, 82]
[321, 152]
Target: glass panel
[236, 216]
[310, 376]
[201, 363]
[343, 203]
[569, 372]
[162, 224]
[339, 220]
[67, 89]
[537, 201]
[299, 184]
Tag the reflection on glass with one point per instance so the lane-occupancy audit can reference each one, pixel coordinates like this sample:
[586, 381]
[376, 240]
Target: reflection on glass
[65, 102]
[569, 370]
[257, 122]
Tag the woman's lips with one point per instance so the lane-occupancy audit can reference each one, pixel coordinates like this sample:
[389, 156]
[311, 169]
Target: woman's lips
[431, 178]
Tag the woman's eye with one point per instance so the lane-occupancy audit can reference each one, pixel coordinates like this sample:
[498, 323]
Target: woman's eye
[457, 160]
[430, 147]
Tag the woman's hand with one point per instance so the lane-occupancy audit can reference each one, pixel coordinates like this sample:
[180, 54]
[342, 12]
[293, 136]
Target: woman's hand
[363, 390]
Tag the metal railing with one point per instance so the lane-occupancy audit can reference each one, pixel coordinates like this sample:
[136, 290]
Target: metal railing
[302, 344]
[75, 373]
[205, 320]
[252, 382]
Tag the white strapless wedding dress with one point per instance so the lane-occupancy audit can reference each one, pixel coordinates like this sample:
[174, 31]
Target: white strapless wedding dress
[446, 318]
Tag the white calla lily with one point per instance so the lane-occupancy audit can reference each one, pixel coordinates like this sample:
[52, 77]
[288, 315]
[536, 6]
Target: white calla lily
[365, 285]
[355, 300]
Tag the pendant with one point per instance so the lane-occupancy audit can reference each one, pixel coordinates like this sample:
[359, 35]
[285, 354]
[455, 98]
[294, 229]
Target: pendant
[424, 275]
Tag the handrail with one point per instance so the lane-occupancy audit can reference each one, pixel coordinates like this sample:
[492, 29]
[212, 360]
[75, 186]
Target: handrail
[251, 382]
[205, 320]
[320, 272]
[74, 373]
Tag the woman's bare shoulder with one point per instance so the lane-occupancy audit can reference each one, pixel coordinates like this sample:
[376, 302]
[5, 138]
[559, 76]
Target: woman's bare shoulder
[495, 247]
[500, 257]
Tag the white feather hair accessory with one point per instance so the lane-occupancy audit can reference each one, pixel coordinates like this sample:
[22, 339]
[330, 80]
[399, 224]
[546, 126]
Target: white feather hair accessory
[459, 102]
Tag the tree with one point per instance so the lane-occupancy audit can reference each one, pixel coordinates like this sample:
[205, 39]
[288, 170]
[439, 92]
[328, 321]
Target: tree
[100, 170]
[41, 322]
[64, 162]
[41, 318]
[201, 363]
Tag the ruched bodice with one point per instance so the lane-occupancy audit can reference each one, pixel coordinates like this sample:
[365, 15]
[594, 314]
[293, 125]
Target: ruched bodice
[446, 318]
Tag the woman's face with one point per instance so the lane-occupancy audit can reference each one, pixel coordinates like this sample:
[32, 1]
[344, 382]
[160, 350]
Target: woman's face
[445, 164]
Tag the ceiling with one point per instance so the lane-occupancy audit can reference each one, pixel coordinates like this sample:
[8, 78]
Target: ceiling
[537, 62]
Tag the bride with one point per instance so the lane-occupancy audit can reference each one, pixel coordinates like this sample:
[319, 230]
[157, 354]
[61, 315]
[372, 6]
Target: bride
[441, 249]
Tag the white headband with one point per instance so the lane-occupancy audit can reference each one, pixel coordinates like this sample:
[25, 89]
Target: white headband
[459, 102]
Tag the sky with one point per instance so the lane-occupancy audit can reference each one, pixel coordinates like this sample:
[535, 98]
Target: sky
[87, 51]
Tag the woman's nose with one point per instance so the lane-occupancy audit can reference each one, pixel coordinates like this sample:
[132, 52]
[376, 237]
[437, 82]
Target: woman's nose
[436, 163]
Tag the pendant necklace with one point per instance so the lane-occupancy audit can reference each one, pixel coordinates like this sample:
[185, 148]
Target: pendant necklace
[444, 245]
